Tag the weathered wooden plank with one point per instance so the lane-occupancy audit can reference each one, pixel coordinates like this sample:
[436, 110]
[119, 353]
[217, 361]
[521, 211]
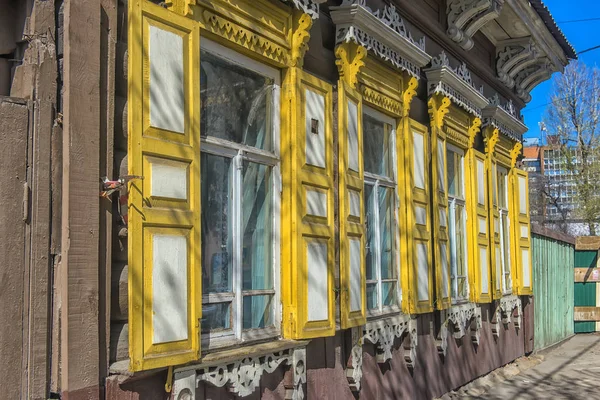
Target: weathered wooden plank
[80, 367]
[587, 313]
[14, 123]
[588, 243]
[587, 274]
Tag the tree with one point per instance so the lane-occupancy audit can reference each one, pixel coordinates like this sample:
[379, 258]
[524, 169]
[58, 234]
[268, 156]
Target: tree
[572, 122]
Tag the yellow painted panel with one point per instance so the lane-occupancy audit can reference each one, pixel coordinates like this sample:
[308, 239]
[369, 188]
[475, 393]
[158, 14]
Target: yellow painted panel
[522, 267]
[351, 227]
[478, 228]
[176, 214]
[417, 236]
[299, 231]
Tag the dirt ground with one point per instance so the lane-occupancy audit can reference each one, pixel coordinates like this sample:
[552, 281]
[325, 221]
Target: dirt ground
[568, 371]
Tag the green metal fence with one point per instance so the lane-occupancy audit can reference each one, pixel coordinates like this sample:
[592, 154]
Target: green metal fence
[585, 293]
[553, 261]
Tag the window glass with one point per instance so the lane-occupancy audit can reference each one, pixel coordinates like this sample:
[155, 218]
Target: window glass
[377, 147]
[380, 212]
[257, 221]
[216, 232]
[456, 225]
[236, 103]
[237, 200]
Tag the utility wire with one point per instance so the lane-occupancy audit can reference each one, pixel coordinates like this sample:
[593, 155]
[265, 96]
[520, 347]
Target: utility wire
[572, 21]
[553, 101]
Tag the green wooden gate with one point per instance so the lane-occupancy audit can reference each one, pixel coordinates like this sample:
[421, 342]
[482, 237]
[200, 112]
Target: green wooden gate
[585, 293]
[553, 256]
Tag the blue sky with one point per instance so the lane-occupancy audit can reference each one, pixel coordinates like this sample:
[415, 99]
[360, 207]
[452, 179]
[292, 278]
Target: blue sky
[582, 35]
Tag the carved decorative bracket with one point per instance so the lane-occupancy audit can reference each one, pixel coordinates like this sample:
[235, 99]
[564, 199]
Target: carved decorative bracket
[382, 32]
[466, 17]
[382, 333]
[463, 318]
[512, 56]
[490, 140]
[532, 76]
[456, 84]
[300, 38]
[474, 130]
[243, 376]
[504, 313]
[409, 93]
[349, 60]
[514, 153]
[438, 110]
[505, 118]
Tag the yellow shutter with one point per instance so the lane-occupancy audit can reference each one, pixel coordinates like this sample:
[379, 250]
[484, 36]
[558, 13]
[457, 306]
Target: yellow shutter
[494, 224]
[307, 207]
[522, 268]
[351, 182]
[440, 219]
[417, 277]
[164, 208]
[477, 204]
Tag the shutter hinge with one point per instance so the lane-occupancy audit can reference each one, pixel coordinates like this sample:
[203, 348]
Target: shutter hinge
[25, 202]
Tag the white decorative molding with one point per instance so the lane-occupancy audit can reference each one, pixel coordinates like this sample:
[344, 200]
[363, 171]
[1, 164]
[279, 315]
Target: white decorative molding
[532, 76]
[466, 17]
[461, 318]
[382, 333]
[504, 313]
[456, 84]
[243, 376]
[512, 56]
[382, 32]
[310, 7]
[505, 118]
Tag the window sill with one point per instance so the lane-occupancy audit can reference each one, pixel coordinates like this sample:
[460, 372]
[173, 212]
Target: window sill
[229, 355]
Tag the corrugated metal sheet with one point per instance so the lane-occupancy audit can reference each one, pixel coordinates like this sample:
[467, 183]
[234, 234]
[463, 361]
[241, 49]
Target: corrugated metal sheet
[585, 258]
[585, 293]
[553, 290]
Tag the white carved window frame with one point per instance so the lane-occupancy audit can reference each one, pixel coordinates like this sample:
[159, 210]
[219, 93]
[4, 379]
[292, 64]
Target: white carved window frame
[238, 153]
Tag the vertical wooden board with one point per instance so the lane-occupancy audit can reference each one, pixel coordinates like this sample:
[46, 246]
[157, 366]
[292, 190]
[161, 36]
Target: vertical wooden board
[14, 130]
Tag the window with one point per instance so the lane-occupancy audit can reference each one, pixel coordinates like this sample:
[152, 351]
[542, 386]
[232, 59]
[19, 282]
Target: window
[380, 209]
[457, 223]
[502, 179]
[240, 197]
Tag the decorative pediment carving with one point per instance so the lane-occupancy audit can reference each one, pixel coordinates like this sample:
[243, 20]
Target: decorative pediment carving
[505, 118]
[383, 333]
[532, 76]
[310, 7]
[382, 32]
[464, 318]
[512, 56]
[456, 84]
[242, 375]
[504, 313]
[466, 17]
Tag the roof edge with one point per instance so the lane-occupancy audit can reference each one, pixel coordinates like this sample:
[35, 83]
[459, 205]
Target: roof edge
[557, 33]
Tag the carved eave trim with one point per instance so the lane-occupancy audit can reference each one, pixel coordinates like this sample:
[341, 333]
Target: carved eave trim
[466, 17]
[512, 56]
[508, 124]
[443, 79]
[381, 32]
[310, 7]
